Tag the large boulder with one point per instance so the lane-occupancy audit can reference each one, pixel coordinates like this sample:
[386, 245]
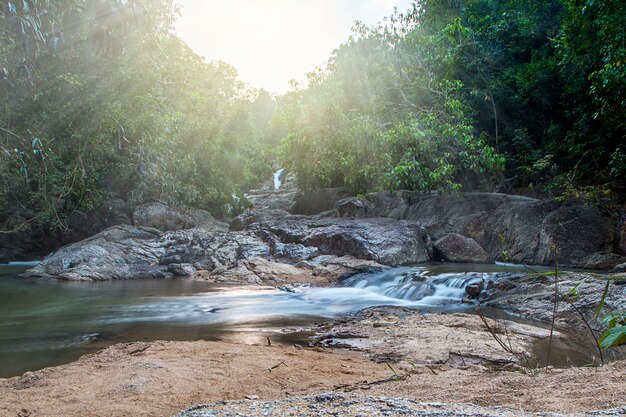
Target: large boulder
[120, 252]
[454, 247]
[166, 218]
[110, 213]
[318, 201]
[386, 241]
[508, 227]
[25, 240]
[130, 252]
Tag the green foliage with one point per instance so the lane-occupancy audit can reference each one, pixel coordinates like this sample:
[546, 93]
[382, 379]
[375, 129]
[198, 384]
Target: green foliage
[99, 100]
[616, 331]
[451, 94]
[382, 115]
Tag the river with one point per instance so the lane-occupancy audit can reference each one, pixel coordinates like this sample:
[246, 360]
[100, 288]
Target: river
[46, 323]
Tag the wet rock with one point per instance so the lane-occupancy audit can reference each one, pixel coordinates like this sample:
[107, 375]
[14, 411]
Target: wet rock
[602, 260]
[454, 247]
[181, 270]
[475, 288]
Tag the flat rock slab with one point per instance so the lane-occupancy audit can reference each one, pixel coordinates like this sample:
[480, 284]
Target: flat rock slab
[531, 297]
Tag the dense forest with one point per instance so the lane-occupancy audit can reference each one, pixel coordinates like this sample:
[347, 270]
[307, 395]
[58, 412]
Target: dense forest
[99, 100]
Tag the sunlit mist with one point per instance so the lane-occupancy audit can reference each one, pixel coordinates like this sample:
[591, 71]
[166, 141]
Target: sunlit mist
[273, 41]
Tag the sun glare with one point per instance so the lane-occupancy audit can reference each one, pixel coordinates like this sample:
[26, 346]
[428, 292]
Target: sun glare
[271, 42]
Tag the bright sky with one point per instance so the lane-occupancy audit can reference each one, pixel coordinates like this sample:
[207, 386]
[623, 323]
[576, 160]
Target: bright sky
[273, 41]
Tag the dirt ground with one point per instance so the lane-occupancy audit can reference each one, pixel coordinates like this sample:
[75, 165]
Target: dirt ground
[441, 358]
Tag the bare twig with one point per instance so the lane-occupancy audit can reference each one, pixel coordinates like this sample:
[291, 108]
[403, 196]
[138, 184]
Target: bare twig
[556, 282]
[277, 365]
[507, 348]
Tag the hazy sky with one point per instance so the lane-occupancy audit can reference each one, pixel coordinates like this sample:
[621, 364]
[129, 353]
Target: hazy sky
[273, 41]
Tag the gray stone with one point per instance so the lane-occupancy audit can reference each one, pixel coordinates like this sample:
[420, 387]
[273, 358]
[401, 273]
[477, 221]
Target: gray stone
[318, 201]
[120, 252]
[454, 247]
[532, 297]
[508, 227]
[386, 241]
[167, 218]
[181, 270]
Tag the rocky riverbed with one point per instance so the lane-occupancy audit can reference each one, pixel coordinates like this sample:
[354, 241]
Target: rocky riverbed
[366, 359]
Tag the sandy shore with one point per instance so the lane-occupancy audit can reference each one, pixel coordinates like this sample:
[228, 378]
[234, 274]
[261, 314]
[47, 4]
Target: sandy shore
[163, 378]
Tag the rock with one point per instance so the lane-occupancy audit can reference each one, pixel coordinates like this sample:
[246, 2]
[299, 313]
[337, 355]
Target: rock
[245, 219]
[620, 231]
[272, 200]
[454, 247]
[353, 207]
[167, 218]
[602, 260]
[318, 201]
[386, 241]
[619, 268]
[508, 227]
[475, 288]
[130, 252]
[211, 251]
[336, 268]
[532, 297]
[181, 270]
[120, 252]
[109, 213]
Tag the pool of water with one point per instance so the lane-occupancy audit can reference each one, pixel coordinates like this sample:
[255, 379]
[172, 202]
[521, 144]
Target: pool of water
[46, 323]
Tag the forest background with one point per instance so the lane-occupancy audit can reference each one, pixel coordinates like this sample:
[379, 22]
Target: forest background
[100, 100]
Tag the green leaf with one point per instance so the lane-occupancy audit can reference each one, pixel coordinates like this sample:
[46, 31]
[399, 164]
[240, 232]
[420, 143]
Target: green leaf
[613, 337]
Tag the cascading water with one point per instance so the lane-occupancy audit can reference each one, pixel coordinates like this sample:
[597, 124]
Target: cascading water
[417, 285]
[278, 182]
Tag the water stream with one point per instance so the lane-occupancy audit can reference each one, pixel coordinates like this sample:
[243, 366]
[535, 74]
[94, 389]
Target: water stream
[45, 323]
[278, 179]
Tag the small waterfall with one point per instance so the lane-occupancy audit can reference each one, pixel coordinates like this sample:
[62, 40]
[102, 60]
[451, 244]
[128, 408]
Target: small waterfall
[416, 285]
[278, 182]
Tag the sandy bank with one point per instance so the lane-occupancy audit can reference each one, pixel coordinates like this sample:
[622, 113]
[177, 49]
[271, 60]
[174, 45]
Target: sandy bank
[163, 378]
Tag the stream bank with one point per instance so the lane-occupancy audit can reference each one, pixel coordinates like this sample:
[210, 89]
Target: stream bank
[321, 259]
[162, 378]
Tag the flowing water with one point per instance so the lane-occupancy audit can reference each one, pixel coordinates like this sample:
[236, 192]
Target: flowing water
[45, 323]
[278, 180]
